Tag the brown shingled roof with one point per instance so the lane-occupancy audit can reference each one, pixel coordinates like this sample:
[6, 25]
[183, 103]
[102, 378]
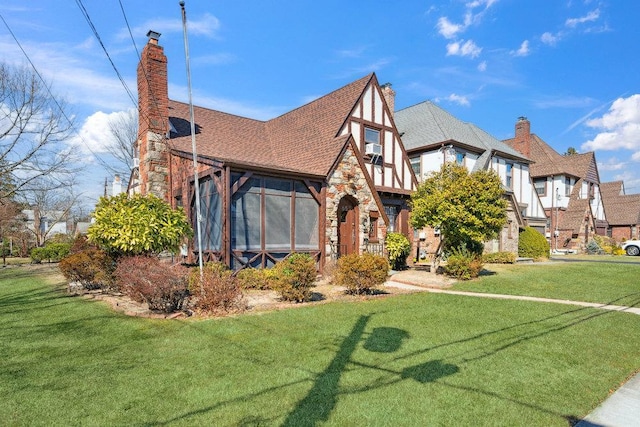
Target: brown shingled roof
[621, 209]
[548, 161]
[304, 140]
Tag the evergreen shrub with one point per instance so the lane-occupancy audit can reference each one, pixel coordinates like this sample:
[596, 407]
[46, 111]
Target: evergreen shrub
[499, 258]
[398, 248]
[294, 277]
[463, 264]
[361, 274]
[532, 244]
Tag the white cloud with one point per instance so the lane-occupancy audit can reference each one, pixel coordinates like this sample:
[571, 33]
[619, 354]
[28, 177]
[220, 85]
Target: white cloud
[523, 50]
[206, 25]
[468, 48]
[612, 164]
[459, 99]
[589, 17]
[94, 137]
[549, 38]
[619, 127]
[482, 66]
[447, 29]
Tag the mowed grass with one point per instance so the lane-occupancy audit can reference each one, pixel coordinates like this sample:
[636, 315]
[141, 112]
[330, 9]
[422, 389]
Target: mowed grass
[420, 359]
[607, 280]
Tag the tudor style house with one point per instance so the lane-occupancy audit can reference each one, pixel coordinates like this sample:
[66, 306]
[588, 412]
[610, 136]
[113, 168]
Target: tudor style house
[328, 178]
[623, 211]
[569, 188]
[432, 137]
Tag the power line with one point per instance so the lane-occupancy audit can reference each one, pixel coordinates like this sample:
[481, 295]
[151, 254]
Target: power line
[95, 33]
[53, 98]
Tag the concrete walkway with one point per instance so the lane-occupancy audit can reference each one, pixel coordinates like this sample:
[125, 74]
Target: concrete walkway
[401, 285]
[621, 409]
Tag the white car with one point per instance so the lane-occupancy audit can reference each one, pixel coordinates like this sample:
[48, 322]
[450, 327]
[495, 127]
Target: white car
[631, 247]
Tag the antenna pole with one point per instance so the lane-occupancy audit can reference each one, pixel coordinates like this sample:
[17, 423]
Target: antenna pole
[193, 140]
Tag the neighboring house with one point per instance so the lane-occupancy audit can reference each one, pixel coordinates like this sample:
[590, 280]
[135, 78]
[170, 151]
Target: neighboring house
[568, 186]
[44, 225]
[623, 211]
[328, 178]
[432, 137]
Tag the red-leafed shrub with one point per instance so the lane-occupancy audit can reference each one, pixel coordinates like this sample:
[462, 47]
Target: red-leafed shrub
[90, 267]
[361, 274]
[146, 279]
[217, 291]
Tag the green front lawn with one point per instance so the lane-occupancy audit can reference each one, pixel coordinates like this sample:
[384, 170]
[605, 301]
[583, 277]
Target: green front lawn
[607, 280]
[419, 359]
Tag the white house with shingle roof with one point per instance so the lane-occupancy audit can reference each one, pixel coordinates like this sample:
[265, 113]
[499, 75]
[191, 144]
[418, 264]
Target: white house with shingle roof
[432, 136]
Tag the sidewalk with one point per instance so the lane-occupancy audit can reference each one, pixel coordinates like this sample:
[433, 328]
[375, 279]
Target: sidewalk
[621, 409]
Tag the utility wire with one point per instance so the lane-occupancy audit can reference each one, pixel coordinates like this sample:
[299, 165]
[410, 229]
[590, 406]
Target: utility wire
[95, 33]
[48, 89]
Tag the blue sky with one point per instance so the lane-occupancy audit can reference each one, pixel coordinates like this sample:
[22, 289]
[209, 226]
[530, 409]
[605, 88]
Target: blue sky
[570, 66]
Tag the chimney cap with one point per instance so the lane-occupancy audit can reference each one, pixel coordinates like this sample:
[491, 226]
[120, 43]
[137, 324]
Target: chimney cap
[522, 118]
[387, 85]
[153, 35]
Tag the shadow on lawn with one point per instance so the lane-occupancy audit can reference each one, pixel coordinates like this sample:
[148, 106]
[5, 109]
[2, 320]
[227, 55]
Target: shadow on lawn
[320, 401]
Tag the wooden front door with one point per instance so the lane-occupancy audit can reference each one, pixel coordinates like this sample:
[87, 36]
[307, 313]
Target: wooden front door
[348, 232]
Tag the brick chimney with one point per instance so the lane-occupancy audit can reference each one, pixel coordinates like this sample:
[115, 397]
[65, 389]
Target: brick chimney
[389, 96]
[153, 118]
[522, 140]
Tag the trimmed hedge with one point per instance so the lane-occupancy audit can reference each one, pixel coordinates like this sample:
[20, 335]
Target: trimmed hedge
[532, 244]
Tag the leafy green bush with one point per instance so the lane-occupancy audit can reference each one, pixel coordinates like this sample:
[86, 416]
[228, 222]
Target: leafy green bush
[463, 264]
[217, 291]
[294, 277]
[532, 244]
[91, 267]
[361, 274]
[499, 258]
[255, 278]
[138, 225]
[51, 252]
[398, 248]
[146, 279]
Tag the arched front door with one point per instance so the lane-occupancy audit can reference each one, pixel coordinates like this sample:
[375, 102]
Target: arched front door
[348, 231]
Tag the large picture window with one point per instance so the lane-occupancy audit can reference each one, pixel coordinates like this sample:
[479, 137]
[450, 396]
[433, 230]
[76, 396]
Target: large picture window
[274, 215]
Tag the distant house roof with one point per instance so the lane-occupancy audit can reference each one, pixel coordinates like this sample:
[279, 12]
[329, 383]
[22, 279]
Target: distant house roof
[621, 209]
[548, 161]
[304, 140]
[427, 125]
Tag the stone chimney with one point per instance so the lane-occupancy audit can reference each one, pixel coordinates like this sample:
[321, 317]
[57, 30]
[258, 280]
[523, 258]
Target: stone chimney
[522, 140]
[153, 119]
[389, 96]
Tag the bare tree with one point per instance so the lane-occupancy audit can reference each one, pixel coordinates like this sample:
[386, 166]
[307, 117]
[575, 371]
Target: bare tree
[123, 129]
[49, 209]
[33, 128]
